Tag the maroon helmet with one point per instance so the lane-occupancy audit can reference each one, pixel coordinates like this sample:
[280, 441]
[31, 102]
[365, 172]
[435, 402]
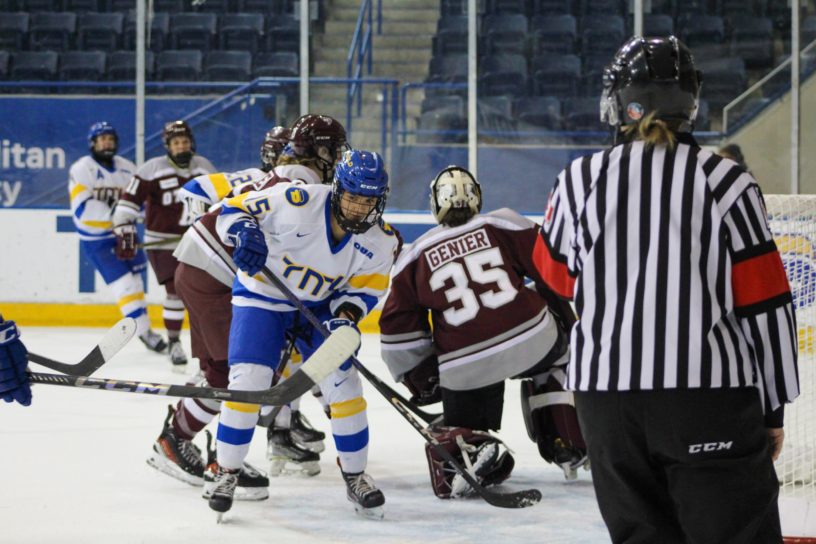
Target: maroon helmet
[321, 138]
[175, 129]
[272, 146]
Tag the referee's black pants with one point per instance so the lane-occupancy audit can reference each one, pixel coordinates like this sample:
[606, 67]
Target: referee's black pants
[689, 466]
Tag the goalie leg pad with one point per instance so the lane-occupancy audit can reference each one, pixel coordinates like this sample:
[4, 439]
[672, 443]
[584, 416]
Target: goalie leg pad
[482, 454]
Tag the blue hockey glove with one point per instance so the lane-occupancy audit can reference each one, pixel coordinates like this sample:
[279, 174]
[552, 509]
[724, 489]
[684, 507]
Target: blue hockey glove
[250, 247]
[14, 381]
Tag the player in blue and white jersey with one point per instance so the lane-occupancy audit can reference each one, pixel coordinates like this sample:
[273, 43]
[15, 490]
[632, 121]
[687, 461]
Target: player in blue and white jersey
[331, 247]
[94, 184]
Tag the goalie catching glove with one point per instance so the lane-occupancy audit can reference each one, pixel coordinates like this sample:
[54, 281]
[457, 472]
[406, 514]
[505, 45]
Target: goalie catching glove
[483, 455]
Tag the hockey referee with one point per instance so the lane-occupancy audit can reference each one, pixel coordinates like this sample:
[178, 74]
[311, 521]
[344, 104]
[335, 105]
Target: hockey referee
[685, 349]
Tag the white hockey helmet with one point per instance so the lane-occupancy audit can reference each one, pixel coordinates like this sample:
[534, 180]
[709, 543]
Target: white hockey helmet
[454, 188]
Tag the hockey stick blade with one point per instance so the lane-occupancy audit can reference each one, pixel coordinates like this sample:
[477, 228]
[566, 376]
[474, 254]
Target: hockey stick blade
[516, 499]
[370, 376]
[330, 355]
[110, 344]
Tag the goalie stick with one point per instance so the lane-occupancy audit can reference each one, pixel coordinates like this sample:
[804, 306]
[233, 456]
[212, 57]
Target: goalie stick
[335, 350]
[373, 378]
[518, 499]
[110, 344]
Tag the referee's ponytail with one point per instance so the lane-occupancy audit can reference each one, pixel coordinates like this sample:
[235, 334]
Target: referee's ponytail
[652, 131]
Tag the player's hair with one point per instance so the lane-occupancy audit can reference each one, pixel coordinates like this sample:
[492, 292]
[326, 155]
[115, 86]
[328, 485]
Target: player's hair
[652, 131]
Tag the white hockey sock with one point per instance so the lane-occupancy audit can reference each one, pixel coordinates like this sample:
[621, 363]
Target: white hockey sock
[129, 294]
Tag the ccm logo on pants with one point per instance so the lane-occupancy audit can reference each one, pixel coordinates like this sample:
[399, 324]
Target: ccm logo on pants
[710, 446]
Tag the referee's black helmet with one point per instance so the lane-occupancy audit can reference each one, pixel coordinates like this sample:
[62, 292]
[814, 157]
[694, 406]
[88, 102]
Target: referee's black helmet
[654, 74]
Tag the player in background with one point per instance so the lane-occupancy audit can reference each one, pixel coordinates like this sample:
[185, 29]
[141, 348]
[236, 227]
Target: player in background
[204, 281]
[15, 384]
[468, 274]
[155, 187]
[94, 184]
[330, 246]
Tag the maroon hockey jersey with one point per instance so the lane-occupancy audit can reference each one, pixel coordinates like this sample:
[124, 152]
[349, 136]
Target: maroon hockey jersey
[487, 325]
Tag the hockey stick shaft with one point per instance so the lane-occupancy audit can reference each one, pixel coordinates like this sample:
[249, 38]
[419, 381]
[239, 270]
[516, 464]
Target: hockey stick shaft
[370, 376]
[110, 344]
[331, 354]
[148, 245]
[519, 499]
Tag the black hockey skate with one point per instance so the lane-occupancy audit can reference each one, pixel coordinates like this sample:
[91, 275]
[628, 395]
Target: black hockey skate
[176, 456]
[253, 485]
[305, 435]
[287, 457]
[177, 356]
[153, 341]
[223, 490]
[364, 494]
[570, 459]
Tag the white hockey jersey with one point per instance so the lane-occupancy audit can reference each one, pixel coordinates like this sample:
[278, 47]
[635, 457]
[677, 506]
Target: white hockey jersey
[295, 220]
[94, 191]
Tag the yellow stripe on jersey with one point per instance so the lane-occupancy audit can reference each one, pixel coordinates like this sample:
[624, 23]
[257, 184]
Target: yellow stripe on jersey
[78, 188]
[242, 407]
[236, 202]
[377, 282]
[98, 224]
[130, 298]
[348, 408]
[220, 184]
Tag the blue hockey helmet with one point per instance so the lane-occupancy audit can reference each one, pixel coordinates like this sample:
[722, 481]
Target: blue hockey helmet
[99, 128]
[359, 173]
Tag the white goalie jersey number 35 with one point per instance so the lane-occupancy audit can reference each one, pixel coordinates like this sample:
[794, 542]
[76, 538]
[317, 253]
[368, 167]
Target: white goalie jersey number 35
[484, 267]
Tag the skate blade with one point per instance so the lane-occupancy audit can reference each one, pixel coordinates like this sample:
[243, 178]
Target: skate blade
[243, 493]
[376, 513]
[284, 467]
[166, 466]
[179, 369]
[219, 518]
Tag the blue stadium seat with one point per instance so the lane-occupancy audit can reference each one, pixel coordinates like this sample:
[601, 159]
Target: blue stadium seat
[453, 7]
[122, 65]
[159, 28]
[657, 24]
[663, 7]
[241, 31]
[282, 34]
[192, 30]
[214, 6]
[117, 6]
[450, 102]
[13, 30]
[556, 75]
[705, 35]
[505, 33]
[35, 6]
[179, 65]
[582, 114]
[730, 8]
[100, 31]
[495, 113]
[507, 6]
[34, 65]
[442, 126]
[282, 64]
[51, 31]
[723, 80]
[451, 35]
[82, 66]
[5, 64]
[540, 112]
[503, 75]
[168, 6]
[600, 7]
[553, 34]
[448, 69]
[687, 8]
[808, 29]
[81, 6]
[752, 39]
[592, 78]
[602, 34]
[264, 6]
[228, 66]
[553, 7]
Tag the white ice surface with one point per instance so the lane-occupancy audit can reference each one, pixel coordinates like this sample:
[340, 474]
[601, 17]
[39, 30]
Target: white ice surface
[73, 471]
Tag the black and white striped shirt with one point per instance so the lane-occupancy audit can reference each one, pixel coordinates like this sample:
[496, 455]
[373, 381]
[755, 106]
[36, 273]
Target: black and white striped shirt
[676, 278]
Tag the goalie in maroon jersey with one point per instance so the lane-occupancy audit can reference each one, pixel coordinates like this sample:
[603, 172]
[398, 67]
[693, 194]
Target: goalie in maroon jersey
[469, 274]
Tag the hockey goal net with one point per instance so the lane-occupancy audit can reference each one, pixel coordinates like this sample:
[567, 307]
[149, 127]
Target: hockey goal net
[792, 220]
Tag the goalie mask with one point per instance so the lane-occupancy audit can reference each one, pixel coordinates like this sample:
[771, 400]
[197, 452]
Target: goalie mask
[456, 196]
[177, 129]
[98, 129]
[359, 176]
[319, 139]
[651, 75]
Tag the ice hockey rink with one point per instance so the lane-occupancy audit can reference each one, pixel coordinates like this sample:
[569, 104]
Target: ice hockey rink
[75, 472]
